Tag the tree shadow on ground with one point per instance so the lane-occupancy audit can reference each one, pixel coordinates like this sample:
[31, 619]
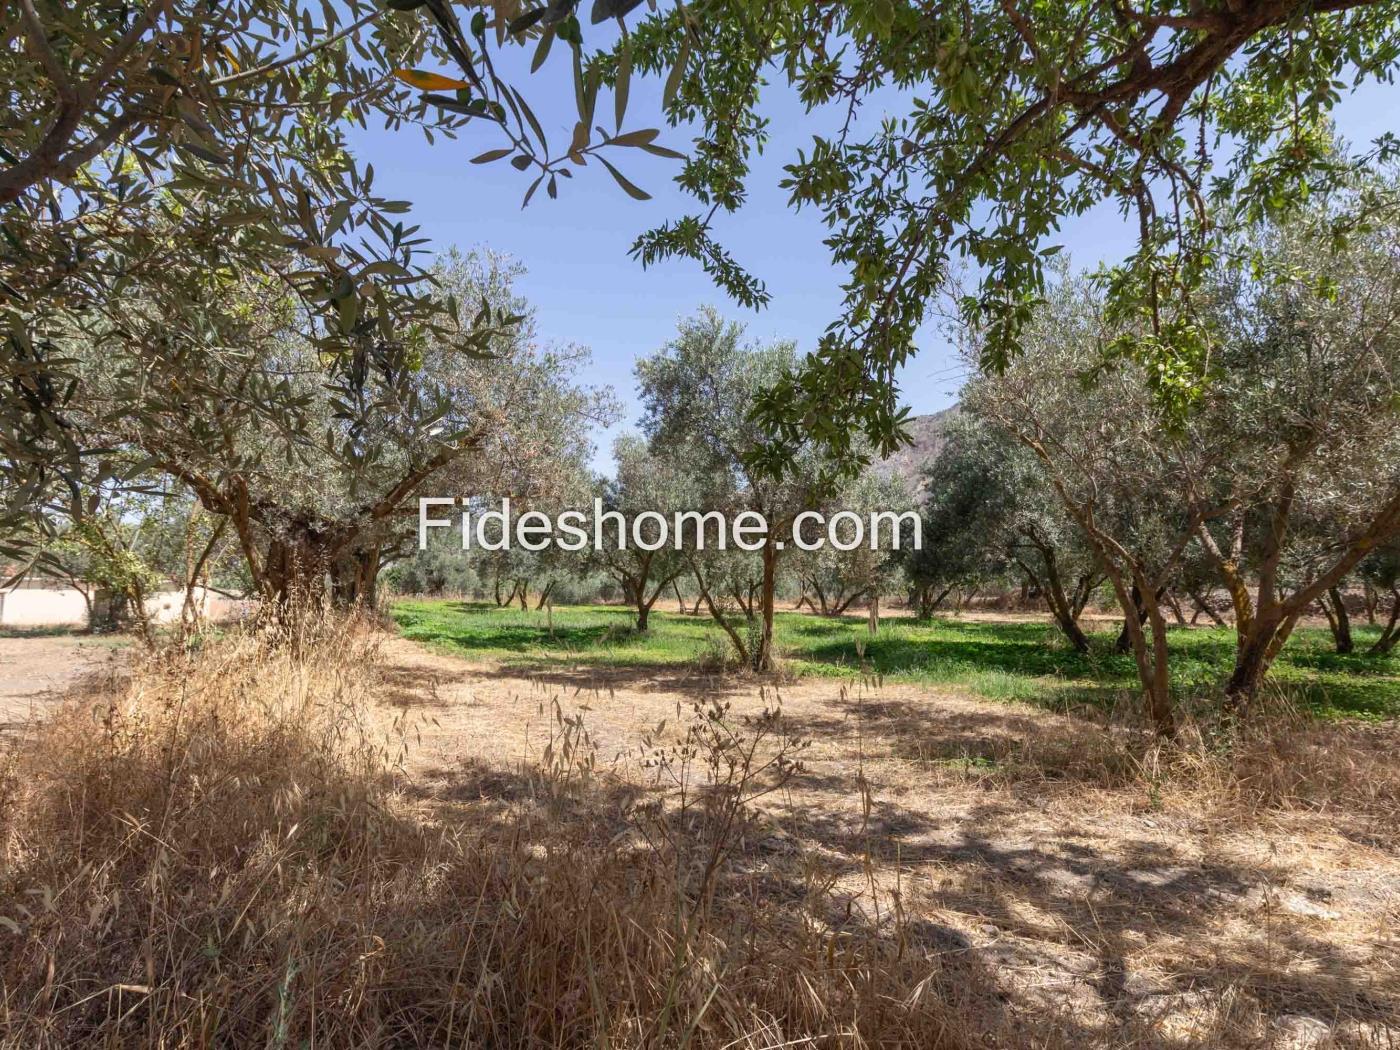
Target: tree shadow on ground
[1038, 928]
[584, 678]
[1054, 902]
[596, 679]
[1035, 942]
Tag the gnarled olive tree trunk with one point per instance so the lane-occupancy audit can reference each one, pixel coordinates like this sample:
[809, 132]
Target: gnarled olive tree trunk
[1391, 632]
[1265, 619]
[355, 577]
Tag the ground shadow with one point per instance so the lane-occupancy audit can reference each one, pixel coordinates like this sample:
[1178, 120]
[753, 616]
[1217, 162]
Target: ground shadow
[1066, 904]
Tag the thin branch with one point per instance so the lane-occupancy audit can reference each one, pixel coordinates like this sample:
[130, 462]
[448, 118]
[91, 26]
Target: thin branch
[297, 56]
[39, 44]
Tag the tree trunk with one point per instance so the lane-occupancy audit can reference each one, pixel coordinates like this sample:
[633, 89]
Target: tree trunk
[1159, 697]
[1203, 606]
[86, 593]
[763, 652]
[644, 604]
[1084, 589]
[716, 613]
[191, 614]
[294, 571]
[1070, 626]
[1152, 664]
[1268, 631]
[1250, 665]
[544, 596]
[140, 614]
[846, 602]
[746, 605]
[925, 601]
[1053, 591]
[355, 578]
[1124, 643]
[1337, 619]
[1386, 642]
[105, 610]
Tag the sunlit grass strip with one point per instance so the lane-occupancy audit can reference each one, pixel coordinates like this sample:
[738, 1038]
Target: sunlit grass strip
[999, 660]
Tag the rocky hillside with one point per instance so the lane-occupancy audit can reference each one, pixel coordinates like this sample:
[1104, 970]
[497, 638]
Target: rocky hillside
[909, 462]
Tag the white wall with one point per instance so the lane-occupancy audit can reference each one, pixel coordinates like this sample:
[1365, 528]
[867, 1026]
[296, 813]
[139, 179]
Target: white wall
[64, 606]
[41, 607]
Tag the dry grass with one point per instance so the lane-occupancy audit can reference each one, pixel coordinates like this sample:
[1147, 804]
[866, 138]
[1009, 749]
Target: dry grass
[231, 849]
[1279, 762]
[1292, 762]
[217, 857]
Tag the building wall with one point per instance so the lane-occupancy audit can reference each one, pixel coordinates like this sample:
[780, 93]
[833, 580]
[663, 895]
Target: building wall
[64, 606]
[42, 607]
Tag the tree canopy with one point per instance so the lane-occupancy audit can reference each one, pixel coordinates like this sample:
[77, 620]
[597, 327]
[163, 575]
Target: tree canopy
[1004, 120]
[167, 151]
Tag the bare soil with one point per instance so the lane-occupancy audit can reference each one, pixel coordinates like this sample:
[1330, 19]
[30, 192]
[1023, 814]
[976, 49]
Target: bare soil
[36, 669]
[1030, 853]
[1022, 846]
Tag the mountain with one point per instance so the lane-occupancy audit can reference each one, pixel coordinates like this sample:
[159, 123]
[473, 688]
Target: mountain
[909, 462]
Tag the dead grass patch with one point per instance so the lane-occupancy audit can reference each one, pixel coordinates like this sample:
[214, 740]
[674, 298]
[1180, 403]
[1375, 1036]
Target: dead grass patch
[247, 845]
[218, 855]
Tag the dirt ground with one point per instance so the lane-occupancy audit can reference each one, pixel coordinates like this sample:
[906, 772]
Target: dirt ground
[1023, 851]
[1022, 845]
[36, 669]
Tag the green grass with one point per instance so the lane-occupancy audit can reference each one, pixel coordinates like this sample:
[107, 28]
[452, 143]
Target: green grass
[1025, 661]
[41, 631]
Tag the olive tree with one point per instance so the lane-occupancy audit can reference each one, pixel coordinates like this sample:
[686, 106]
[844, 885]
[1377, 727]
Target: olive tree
[154, 149]
[997, 121]
[696, 393]
[1109, 461]
[1285, 472]
[323, 494]
[645, 484]
[952, 554]
[832, 579]
[161, 149]
[987, 496]
[1300, 476]
[1381, 571]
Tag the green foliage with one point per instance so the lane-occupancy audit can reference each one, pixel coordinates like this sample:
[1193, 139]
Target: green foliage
[100, 546]
[1002, 121]
[1024, 662]
[172, 173]
[832, 578]
[696, 397]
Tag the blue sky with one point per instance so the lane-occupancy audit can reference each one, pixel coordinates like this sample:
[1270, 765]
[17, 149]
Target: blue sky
[587, 290]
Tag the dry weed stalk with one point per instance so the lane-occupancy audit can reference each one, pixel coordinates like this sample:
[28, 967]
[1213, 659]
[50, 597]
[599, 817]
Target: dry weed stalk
[220, 854]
